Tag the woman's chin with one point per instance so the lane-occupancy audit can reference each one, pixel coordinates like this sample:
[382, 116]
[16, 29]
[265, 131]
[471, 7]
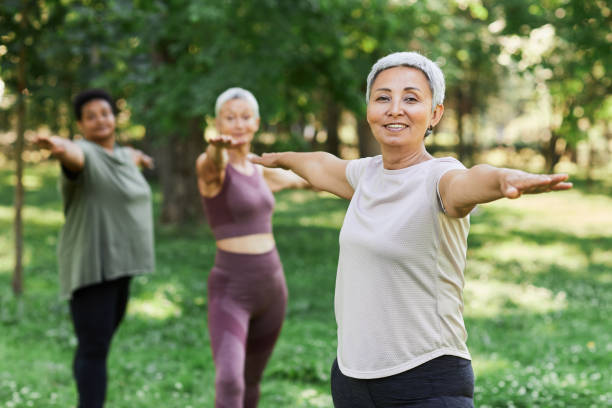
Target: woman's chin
[241, 142]
[99, 137]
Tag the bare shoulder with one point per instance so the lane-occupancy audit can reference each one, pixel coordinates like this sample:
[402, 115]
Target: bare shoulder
[261, 169]
[450, 175]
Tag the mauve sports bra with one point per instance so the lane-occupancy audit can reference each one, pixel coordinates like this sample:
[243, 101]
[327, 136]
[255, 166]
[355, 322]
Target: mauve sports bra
[244, 205]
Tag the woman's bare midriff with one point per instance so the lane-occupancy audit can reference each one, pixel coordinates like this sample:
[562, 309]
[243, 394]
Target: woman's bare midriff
[248, 244]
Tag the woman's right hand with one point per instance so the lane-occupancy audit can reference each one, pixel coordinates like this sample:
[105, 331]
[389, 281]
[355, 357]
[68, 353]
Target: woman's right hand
[222, 141]
[271, 160]
[53, 143]
[67, 152]
[210, 166]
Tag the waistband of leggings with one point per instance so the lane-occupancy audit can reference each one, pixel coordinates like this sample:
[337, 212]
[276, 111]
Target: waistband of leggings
[226, 259]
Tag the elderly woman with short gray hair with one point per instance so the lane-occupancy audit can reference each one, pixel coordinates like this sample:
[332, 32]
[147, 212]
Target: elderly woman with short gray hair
[399, 285]
[247, 295]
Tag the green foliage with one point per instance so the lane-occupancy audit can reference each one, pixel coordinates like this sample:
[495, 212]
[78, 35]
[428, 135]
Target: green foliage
[538, 300]
[576, 62]
[63, 46]
[171, 59]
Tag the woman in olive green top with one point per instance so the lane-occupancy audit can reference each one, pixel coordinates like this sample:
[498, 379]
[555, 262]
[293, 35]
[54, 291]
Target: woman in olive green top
[107, 237]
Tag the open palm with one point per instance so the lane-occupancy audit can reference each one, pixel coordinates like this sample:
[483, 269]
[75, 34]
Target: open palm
[53, 143]
[514, 183]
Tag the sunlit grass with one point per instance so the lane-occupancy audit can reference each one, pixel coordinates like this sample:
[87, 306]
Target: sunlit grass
[496, 298]
[157, 306]
[310, 397]
[30, 181]
[602, 256]
[7, 213]
[566, 211]
[43, 217]
[33, 216]
[330, 219]
[6, 252]
[489, 364]
[532, 255]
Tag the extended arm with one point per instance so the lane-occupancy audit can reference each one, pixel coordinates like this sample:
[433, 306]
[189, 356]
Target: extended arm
[322, 170]
[141, 159]
[462, 190]
[210, 166]
[280, 179]
[67, 152]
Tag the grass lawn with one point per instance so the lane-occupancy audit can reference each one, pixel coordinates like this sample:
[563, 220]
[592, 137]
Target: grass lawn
[538, 304]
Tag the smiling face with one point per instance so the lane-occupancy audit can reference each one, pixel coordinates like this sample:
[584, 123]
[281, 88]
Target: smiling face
[97, 121]
[237, 119]
[399, 110]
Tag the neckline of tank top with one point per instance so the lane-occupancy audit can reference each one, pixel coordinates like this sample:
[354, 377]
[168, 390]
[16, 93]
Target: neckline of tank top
[241, 173]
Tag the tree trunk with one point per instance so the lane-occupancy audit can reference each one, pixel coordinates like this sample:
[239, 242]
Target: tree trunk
[18, 225]
[551, 154]
[332, 122]
[590, 163]
[17, 282]
[368, 146]
[460, 135]
[474, 148]
[175, 156]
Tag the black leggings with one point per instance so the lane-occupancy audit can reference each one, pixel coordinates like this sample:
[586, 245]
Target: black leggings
[96, 312]
[444, 382]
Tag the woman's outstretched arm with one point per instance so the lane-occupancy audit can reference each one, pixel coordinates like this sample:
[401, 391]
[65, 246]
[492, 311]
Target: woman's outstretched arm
[141, 159]
[323, 171]
[210, 165]
[280, 179]
[67, 152]
[462, 190]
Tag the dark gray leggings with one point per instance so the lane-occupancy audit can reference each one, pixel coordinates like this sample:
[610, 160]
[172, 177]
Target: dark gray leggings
[444, 382]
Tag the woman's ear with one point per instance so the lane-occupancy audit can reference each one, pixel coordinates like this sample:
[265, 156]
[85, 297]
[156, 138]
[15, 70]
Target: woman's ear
[437, 115]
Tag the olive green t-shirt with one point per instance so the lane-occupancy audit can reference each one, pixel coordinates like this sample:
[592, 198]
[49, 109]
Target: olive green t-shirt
[108, 231]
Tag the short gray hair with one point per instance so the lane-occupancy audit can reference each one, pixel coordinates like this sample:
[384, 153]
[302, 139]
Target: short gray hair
[415, 60]
[236, 93]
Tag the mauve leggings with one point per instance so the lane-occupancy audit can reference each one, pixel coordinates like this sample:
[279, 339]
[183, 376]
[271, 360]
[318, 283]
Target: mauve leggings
[247, 298]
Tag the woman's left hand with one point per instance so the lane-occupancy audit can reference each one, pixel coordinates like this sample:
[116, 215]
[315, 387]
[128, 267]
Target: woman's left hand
[146, 161]
[514, 183]
[141, 159]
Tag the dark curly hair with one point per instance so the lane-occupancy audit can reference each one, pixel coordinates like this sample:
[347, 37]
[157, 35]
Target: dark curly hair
[89, 95]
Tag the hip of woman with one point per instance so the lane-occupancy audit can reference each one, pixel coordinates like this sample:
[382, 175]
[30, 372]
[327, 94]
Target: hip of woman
[247, 267]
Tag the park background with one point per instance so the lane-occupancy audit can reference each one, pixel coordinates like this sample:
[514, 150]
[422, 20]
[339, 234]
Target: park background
[528, 86]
